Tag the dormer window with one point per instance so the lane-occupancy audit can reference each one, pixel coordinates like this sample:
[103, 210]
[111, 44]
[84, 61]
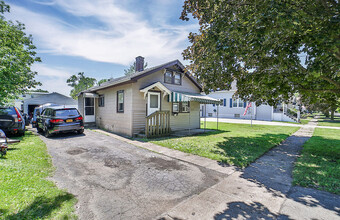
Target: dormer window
[168, 77]
[172, 77]
[177, 78]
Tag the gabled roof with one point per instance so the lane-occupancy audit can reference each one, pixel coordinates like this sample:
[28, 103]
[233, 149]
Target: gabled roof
[137, 75]
[53, 97]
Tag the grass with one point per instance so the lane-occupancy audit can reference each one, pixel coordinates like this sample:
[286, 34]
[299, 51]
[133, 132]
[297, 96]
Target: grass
[319, 164]
[235, 144]
[323, 121]
[25, 191]
[305, 121]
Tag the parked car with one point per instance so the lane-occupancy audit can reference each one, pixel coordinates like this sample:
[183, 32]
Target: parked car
[57, 119]
[37, 111]
[12, 121]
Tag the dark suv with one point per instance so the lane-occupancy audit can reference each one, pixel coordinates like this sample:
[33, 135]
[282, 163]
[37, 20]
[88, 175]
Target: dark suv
[57, 119]
[12, 121]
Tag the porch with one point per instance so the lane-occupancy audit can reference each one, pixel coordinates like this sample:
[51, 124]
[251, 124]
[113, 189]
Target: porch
[171, 112]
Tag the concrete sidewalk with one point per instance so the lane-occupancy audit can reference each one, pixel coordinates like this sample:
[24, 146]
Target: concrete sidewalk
[258, 122]
[261, 191]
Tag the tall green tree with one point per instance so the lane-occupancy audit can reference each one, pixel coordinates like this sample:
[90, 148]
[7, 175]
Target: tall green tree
[79, 83]
[132, 69]
[17, 54]
[271, 48]
[101, 81]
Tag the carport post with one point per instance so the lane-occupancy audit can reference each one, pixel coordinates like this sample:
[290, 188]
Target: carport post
[189, 118]
[205, 116]
[217, 115]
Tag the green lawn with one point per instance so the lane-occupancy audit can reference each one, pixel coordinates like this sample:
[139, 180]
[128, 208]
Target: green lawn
[305, 121]
[323, 121]
[319, 163]
[235, 144]
[25, 192]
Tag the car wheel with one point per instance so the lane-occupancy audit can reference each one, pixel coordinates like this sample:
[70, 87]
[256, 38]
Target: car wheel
[22, 133]
[39, 130]
[80, 131]
[47, 133]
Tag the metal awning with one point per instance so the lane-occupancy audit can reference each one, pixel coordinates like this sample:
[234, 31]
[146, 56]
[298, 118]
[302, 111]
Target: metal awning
[90, 95]
[187, 97]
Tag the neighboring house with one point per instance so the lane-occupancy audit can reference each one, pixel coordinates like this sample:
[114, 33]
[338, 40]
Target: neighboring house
[19, 103]
[54, 98]
[154, 101]
[235, 108]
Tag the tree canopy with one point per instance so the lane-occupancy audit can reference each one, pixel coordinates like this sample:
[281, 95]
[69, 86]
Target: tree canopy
[79, 83]
[132, 69]
[17, 54]
[271, 48]
[102, 81]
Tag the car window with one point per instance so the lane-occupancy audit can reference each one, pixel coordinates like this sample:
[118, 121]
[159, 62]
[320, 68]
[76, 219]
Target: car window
[45, 112]
[66, 112]
[7, 111]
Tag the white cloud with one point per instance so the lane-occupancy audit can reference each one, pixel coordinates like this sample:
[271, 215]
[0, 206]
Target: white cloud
[123, 37]
[53, 78]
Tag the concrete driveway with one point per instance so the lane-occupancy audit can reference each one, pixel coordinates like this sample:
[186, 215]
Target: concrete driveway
[116, 180]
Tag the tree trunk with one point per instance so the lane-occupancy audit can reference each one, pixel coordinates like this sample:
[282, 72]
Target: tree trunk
[326, 113]
[332, 115]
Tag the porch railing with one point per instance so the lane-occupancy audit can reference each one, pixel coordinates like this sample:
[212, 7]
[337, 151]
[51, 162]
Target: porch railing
[157, 124]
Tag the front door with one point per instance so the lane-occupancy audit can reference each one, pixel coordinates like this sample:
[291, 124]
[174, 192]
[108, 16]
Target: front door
[154, 102]
[89, 110]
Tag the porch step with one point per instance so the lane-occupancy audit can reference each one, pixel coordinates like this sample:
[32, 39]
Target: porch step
[90, 125]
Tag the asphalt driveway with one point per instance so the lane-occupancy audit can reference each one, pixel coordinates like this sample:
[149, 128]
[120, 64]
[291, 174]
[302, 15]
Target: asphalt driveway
[116, 180]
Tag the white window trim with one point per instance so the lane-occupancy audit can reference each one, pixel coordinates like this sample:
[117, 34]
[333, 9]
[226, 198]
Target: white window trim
[238, 103]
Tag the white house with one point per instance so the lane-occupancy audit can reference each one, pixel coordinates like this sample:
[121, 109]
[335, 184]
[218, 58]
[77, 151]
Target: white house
[235, 108]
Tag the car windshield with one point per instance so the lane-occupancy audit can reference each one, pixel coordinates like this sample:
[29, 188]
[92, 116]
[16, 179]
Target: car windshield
[66, 112]
[7, 111]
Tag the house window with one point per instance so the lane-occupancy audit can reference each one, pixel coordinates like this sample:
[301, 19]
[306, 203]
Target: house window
[235, 101]
[101, 101]
[154, 101]
[183, 107]
[168, 77]
[238, 103]
[172, 77]
[177, 78]
[120, 101]
[175, 107]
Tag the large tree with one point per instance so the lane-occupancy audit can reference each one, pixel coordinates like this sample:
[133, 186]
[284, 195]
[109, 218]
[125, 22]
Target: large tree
[271, 48]
[79, 83]
[17, 54]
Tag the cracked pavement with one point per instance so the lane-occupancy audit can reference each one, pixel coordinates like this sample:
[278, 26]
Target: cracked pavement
[113, 179]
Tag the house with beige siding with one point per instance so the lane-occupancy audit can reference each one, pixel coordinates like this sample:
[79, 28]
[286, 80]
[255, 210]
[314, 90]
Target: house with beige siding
[154, 101]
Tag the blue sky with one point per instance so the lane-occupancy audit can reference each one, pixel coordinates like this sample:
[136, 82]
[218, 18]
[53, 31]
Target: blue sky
[100, 37]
